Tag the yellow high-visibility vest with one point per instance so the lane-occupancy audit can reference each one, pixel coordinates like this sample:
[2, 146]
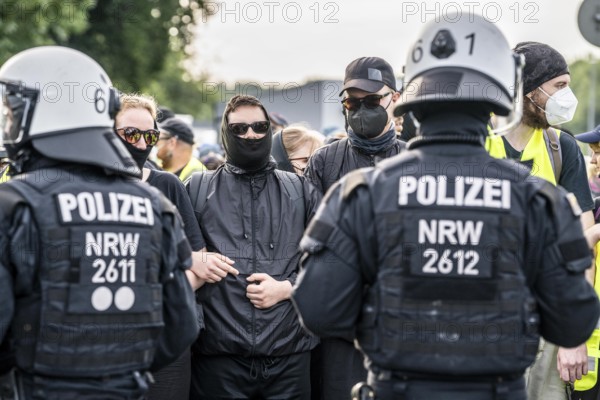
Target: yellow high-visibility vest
[535, 150]
[593, 352]
[4, 177]
[194, 165]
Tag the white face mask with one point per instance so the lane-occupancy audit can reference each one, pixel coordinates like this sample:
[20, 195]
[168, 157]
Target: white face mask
[561, 106]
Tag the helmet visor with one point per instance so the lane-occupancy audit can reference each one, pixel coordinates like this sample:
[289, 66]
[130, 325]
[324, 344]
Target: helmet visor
[501, 125]
[16, 110]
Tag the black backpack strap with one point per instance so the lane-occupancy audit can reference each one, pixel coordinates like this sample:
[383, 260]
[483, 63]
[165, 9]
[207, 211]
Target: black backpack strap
[553, 145]
[293, 186]
[198, 186]
[338, 158]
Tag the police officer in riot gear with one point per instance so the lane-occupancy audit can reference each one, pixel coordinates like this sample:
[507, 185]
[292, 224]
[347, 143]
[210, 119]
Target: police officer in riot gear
[444, 264]
[92, 263]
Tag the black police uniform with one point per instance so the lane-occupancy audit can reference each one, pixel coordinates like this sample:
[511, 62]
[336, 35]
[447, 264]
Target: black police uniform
[92, 282]
[446, 265]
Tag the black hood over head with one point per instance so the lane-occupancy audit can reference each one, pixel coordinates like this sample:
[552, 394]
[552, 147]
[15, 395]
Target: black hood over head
[280, 155]
[454, 118]
[250, 155]
[452, 124]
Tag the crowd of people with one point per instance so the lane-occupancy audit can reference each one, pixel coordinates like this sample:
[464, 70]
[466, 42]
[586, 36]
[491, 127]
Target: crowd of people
[440, 248]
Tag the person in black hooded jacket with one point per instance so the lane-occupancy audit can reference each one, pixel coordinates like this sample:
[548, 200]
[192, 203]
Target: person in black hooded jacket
[253, 345]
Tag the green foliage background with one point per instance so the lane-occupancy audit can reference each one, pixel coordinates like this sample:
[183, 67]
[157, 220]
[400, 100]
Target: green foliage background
[581, 84]
[140, 43]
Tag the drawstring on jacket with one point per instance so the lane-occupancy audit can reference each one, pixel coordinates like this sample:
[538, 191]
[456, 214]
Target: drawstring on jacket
[265, 364]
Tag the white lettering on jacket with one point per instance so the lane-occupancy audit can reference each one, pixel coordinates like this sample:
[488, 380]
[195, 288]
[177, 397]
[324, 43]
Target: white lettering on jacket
[469, 191]
[94, 207]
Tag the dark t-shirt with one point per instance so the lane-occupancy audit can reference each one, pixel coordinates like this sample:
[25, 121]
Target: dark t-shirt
[573, 176]
[174, 190]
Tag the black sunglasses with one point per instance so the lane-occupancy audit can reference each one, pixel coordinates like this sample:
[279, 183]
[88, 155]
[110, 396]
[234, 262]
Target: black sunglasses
[241, 128]
[133, 135]
[371, 101]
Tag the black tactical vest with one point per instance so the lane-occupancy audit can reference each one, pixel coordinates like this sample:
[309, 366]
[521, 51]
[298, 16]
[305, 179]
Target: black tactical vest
[99, 296]
[450, 296]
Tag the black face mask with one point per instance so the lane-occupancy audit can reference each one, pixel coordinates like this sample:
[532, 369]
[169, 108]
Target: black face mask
[138, 155]
[248, 154]
[368, 122]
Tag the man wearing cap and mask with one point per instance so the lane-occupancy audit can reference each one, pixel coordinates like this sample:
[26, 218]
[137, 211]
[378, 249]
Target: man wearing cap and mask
[369, 94]
[555, 156]
[175, 149]
[253, 345]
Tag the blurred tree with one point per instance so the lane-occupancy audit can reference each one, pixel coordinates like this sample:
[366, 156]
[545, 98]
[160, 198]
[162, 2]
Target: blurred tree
[139, 43]
[176, 89]
[29, 23]
[581, 84]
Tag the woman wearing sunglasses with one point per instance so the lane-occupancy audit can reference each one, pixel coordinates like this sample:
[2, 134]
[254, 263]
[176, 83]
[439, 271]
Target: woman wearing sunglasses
[135, 125]
[253, 345]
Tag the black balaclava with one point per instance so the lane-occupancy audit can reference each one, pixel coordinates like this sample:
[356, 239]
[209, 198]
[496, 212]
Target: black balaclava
[139, 156]
[453, 123]
[251, 155]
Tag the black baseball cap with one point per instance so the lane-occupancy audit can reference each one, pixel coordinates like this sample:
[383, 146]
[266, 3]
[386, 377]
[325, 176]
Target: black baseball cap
[178, 128]
[592, 136]
[369, 74]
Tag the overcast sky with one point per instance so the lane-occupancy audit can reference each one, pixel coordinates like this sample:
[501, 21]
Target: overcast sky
[293, 41]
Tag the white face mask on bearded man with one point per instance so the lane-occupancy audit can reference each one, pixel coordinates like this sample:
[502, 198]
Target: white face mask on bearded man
[561, 106]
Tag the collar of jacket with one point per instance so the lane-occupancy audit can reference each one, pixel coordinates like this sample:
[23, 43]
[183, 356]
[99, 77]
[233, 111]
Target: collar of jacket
[373, 146]
[269, 167]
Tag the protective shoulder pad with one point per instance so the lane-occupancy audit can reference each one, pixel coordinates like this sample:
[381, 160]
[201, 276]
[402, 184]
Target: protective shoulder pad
[9, 199]
[351, 181]
[322, 225]
[573, 247]
[555, 194]
[316, 235]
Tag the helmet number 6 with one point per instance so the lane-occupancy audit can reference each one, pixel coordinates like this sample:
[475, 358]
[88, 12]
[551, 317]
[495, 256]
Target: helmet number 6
[417, 53]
